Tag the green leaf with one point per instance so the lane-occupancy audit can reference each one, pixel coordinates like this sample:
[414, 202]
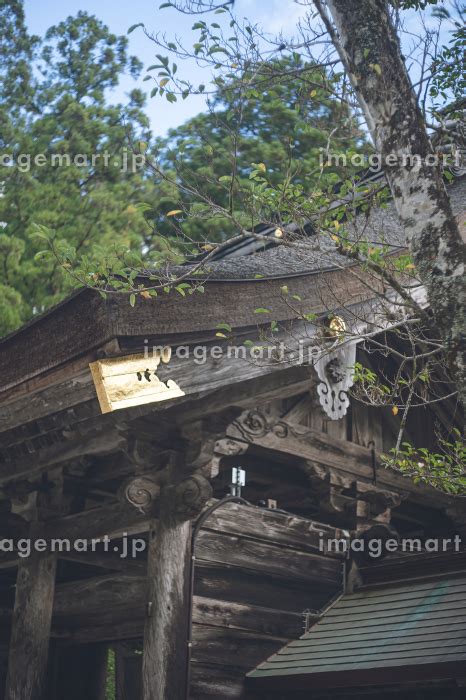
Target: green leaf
[261, 311]
[132, 299]
[135, 26]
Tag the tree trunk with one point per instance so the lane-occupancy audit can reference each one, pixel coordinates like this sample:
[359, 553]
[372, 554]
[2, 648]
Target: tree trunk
[32, 617]
[368, 45]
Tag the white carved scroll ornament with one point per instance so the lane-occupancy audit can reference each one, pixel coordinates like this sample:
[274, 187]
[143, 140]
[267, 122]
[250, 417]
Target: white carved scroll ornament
[335, 370]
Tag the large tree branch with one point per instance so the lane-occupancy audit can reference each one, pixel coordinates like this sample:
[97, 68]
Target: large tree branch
[368, 45]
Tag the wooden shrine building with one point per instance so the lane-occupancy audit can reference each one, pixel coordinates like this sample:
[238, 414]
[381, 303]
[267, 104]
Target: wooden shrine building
[103, 439]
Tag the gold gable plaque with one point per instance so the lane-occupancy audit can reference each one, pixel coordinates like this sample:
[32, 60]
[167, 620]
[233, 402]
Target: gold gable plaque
[121, 382]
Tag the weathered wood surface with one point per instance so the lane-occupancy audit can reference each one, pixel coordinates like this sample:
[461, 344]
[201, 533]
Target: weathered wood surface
[347, 457]
[96, 443]
[69, 399]
[269, 526]
[246, 568]
[212, 681]
[167, 316]
[112, 520]
[100, 600]
[165, 630]
[236, 543]
[259, 588]
[242, 649]
[47, 437]
[251, 521]
[277, 561]
[104, 599]
[108, 561]
[207, 612]
[402, 568]
[256, 571]
[367, 425]
[74, 401]
[75, 326]
[32, 618]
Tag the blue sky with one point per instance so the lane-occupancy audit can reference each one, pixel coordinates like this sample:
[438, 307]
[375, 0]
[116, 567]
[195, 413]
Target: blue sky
[119, 15]
[273, 15]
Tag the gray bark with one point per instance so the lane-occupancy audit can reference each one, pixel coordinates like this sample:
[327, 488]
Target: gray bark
[368, 45]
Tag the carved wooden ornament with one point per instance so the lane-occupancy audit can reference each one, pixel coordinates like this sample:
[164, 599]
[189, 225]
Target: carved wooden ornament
[336, 373]
[121, 382]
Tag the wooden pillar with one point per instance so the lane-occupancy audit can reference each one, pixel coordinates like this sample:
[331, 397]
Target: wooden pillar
[166, 628]
[35, 588]
[32, 618]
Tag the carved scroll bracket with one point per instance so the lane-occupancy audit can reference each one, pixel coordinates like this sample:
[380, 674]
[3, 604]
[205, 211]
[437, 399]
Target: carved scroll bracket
[175, 502]
[336, 373]
[186, 500]
[141, 493]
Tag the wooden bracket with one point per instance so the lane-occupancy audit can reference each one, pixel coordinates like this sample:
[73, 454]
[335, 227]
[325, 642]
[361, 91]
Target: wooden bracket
[141, 493]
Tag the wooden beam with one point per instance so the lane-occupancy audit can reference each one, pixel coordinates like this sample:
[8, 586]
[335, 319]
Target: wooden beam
[287, 382]
[96, 443]
[206, 611]
[108, 561]
[251, 522]
[243, 554]
[301, 442]
[112, 520]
